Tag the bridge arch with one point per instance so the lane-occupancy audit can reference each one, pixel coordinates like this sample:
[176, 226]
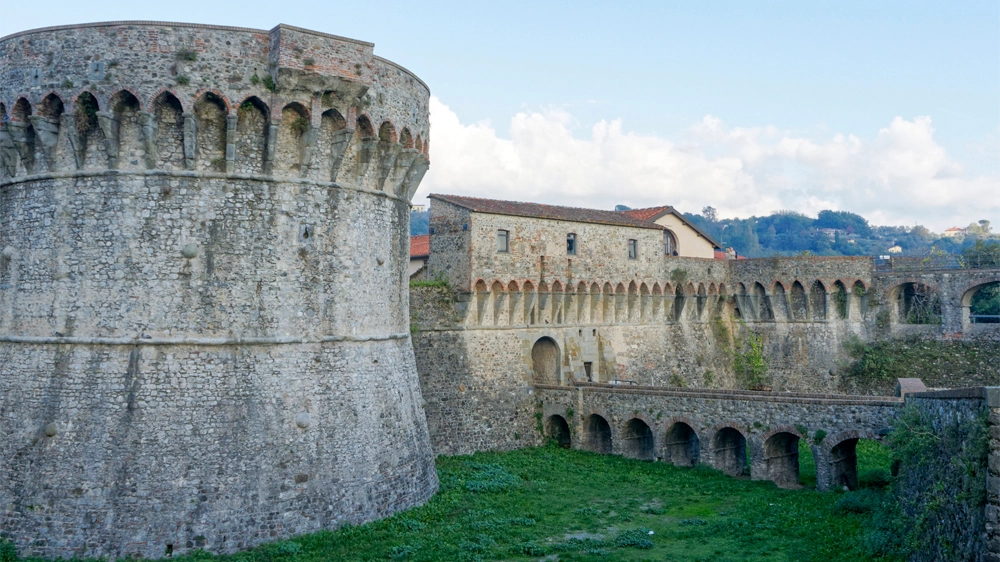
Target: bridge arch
[840, 452]
[682, 446]
[915, 302]
[729, 450]
[637, 440]
[972, 293]
[597, 434]
[780, 457]
[557, 429]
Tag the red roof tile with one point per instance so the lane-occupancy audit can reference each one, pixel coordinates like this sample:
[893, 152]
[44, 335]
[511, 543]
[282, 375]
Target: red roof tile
[538, 210]
[420, 246]
[649, 214]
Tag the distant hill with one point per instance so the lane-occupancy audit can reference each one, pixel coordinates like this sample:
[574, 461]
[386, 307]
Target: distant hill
[418, 222]
[832, 233]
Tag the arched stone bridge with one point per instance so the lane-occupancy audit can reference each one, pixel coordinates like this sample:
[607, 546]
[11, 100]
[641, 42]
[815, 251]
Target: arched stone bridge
[719, 427]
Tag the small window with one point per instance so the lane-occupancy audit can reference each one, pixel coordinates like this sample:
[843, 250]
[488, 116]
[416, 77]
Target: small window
[669, 243]
[588, 369]
[571, 244]
[633, 249]
[503, 240]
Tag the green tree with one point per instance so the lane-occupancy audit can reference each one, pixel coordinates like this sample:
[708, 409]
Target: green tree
[982, 254]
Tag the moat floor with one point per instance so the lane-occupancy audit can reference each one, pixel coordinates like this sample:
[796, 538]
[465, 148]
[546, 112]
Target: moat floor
[554, 504]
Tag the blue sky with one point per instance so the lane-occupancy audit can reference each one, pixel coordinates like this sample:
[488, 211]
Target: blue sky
[684, 103]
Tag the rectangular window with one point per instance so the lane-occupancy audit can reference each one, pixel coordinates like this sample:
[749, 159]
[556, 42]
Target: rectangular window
[571, 244]
[633, 249]
[503, 240]
[587, 366]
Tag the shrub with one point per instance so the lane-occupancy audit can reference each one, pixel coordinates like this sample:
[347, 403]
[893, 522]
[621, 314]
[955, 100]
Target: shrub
[634, 538]
[8, 553]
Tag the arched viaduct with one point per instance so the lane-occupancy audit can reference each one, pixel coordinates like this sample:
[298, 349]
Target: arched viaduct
[719, 427]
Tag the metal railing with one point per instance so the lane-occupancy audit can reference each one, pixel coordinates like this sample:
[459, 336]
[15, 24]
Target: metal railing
[984, 318]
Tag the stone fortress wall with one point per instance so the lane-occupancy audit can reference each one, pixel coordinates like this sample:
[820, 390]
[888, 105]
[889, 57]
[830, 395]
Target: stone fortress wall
[196, 220]
[535, 315]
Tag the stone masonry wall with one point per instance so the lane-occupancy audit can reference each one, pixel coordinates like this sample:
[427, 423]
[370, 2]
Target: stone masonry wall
[203, 312]
[955, 524]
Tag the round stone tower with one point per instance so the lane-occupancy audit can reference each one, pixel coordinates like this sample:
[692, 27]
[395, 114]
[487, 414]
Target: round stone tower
[204, 334]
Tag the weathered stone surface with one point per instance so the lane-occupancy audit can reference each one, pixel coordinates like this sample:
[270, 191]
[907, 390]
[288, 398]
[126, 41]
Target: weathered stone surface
[200, 349]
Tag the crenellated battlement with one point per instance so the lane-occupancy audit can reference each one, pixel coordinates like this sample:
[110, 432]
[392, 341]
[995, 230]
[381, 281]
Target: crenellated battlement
[288, 103]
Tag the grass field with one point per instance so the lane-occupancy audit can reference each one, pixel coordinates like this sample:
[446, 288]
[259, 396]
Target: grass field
[557, 504]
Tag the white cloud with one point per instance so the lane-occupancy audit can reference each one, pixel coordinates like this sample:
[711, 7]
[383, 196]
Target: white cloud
[901, 176]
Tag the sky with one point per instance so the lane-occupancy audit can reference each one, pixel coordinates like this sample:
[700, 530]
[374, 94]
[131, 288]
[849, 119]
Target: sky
[887, 109]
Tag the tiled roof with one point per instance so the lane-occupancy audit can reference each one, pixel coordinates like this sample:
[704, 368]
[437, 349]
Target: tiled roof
[650, 214]
[537, 210]
[420, 246]
[653, 213]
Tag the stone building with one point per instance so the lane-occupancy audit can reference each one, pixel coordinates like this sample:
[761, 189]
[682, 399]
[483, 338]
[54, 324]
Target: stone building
[681, 237]
[204, 333]
[546, 295]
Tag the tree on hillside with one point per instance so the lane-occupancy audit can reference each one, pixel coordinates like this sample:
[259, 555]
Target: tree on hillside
[982, 255]
[843, 220]
[710, 214]
[981, 230]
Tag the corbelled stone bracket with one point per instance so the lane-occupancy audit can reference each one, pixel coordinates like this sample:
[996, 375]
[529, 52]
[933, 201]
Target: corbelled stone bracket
[403, 162]
[23, 136]
[414, 175]
[150, 130]
[366, 149]
[190, 140]
[341, 140]
[232, 124]
[75, 143]
[270, 143]
[110, 126]
[47, 130]
[8, 154]
[387, 152]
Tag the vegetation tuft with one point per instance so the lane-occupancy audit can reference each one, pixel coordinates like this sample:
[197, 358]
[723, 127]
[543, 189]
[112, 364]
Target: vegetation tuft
[749, 361]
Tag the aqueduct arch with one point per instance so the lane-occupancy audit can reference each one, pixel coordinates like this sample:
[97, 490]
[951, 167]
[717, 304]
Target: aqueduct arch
[597, 435]
[729, 451]
[557, 429]
[637, 440]
[682, 446]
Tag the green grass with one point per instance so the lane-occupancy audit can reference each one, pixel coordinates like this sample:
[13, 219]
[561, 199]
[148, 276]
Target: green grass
[531, 503]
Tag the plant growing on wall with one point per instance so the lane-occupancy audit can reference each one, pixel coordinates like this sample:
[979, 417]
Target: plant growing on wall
[679, 276]
[940, 487]
[749, 362]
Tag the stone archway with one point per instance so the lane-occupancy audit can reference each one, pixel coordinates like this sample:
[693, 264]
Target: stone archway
[781, 459]
[729, 451]
[682, 447]
[844, 464]
[598, 435]
[637, 440]
[545, 361]
[557, 429]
